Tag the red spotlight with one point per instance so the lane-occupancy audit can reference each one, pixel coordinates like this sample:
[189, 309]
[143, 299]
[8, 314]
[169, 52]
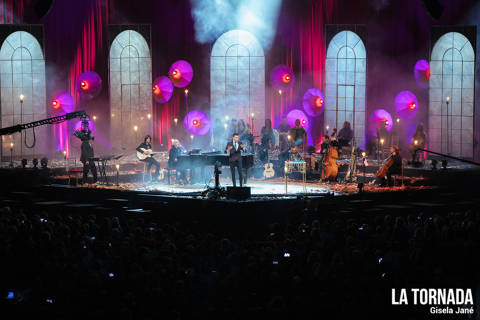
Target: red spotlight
[304, 122]
[56, 104]
[84, 85]
[156, 90]
[386, 123]
[176, 74]
[286, 78]
[427, 73]
[412, 106]
[318, 102]
[196, 123]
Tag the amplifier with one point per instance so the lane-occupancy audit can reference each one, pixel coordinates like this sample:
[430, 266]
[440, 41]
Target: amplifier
[238, 193]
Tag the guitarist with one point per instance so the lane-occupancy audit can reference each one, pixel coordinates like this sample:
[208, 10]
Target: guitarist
[234, 149]
[147, 148]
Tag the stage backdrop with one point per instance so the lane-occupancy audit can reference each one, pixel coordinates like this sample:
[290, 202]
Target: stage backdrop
[452, 74]
[22, 72]
[130, 86]
[237, 78]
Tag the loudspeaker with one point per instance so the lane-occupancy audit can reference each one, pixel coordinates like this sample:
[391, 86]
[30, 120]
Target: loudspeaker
[238, 193]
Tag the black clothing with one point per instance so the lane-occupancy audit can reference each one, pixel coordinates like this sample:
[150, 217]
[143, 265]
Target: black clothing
[235, 159]
[87, 166]
[283, 128]
[145, 146]
[234, 154]
[345, 136]
[87, 151]
[238, 164]
[149, 160]
[173, 155]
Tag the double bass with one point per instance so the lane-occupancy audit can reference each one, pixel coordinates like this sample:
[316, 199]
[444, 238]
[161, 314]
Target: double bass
[382, 171]
[329, 163]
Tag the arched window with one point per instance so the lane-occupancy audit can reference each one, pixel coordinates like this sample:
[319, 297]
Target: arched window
[345, 70]
[452, 65]
[237, 77]
[22, 71]
[130, 89]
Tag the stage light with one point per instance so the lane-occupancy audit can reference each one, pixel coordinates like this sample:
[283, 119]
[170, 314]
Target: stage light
[327, 127]
[186, 91]
[225, 126]
[364, 154]
[11, 145]
[279, 92]
[135, 128]
[117, 166]
[318, 102]
[304, 122]
[175, 120]
[286, 78]
[156, 90]
[84, 85]
[149, 116]
[412, 106]
[398, 120]
[382, 141]
[226, 118]
[64, 154]
[415, 142]
[192, 136]
[56, 104]
[289, 137]
[113, 115]
[176, 74]
[447, 99]
[386, 123]
[94, 118]
[196, 122]
[252, 115]
[21, 97]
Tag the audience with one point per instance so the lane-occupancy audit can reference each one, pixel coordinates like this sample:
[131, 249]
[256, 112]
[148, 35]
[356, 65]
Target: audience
[87, 266]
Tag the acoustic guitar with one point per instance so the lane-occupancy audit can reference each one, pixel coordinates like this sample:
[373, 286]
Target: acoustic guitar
[268, 172]
[143, 156]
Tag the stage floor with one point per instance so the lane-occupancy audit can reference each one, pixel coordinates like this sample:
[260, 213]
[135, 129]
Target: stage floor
[269, 187]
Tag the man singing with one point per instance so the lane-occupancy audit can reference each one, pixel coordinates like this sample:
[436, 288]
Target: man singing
[234, 148]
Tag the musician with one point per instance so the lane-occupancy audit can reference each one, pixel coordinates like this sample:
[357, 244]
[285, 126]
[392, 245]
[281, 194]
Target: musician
[298, 134]
[345, 135]
[396, 166]
[150, 160]
[173, 154]
[234, 149]
[417, 142]
[87, 154]
[284, 127]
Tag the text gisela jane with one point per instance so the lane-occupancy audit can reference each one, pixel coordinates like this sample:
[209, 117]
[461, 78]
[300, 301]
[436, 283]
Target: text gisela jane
[441, 300]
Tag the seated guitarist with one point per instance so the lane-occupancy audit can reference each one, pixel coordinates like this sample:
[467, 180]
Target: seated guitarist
[147, 148]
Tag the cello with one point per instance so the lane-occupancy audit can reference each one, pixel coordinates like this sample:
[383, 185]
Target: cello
[382, 171]
[329, 164]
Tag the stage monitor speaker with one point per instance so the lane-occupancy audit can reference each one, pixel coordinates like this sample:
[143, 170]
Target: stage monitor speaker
[238, 193]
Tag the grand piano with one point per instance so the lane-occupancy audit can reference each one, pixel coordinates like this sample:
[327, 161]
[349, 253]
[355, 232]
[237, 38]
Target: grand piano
[193, 160]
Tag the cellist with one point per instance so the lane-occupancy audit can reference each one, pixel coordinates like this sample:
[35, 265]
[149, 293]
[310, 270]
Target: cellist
[329, 168]
[391, 165]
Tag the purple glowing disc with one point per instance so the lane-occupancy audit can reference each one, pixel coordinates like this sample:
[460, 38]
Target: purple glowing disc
[376, 118]
[282, 77]
[295, 114]
[89, 84]
[79, 126]
[422, 73]
[162, 89]
[64, 100]
[197, 122]
[406, 104]
[313, 102]
[181, 73]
